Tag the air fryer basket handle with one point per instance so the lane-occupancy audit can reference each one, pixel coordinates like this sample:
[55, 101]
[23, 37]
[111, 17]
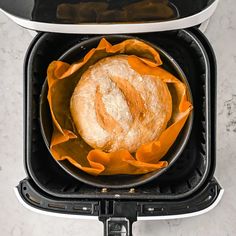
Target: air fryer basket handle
[117, 226]
[118, 217]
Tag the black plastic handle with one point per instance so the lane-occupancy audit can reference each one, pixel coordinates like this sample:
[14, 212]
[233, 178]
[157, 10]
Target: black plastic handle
[117, 226]
[118, 217]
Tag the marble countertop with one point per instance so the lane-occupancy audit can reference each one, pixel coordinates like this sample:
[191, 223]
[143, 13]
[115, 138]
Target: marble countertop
[16, 220]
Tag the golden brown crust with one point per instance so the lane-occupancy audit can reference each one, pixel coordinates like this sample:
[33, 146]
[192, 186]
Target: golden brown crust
[105, 120]
[132, 97]
[114, 107]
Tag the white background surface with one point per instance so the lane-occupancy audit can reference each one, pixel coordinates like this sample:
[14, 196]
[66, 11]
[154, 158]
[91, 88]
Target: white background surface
[16, 220]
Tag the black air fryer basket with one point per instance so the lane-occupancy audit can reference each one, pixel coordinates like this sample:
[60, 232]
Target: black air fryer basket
[188, 188]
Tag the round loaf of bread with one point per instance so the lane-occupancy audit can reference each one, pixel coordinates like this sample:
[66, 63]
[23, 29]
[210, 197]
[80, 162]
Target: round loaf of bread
[114, 107]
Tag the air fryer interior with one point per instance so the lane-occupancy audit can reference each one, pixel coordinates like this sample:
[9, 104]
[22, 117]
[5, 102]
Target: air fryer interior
[183, 178]
[117, 181]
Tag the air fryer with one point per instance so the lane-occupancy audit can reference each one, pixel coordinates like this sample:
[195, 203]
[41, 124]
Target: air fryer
[188, 187]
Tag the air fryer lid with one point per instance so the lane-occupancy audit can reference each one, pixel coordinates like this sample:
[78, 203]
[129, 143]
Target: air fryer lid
[108, 16]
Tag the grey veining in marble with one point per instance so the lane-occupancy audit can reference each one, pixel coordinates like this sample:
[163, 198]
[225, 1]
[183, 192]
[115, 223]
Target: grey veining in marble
[15, 220]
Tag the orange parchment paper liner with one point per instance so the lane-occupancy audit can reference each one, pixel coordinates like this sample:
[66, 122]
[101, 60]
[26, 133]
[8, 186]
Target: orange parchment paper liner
[66, 143]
